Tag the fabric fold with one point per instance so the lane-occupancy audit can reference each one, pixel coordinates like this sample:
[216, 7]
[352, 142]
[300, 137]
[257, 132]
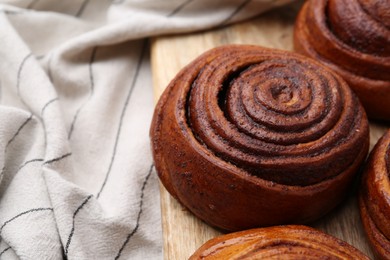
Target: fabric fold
[77, 179]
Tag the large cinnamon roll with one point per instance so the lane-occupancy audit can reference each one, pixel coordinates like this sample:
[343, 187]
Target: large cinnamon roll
[375, 198]
[352, 38]
[280, 242]
[246, 136]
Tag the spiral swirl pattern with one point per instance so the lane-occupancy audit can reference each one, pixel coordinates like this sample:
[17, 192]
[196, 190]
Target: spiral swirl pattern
[352, 38]
[282, 242]
[375, 198]
[246, 121]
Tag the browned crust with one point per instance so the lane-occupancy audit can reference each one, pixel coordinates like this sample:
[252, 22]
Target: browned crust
[294, 171]
[375, 198]
[364, 66]
[279, 242]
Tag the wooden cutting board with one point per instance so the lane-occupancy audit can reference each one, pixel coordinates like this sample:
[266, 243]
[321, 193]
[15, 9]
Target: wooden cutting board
[182, 232]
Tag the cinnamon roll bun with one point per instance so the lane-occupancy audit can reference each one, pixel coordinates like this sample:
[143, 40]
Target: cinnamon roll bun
[246, 136]
[352, 38]
[375, 198]
[280, 242]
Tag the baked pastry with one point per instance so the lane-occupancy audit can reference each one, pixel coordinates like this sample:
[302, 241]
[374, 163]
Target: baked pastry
[246, 136]
[280, 242]
[352, 38]
[375, 198]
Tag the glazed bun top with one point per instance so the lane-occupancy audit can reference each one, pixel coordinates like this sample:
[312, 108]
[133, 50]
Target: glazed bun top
[280, 242]
[362, 24]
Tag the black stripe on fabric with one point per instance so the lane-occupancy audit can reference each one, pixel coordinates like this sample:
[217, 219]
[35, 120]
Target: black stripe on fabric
[57, 159]
[122, 116]
[178, 8]
[76, 115]
[18, 91]
[28, 162]
[139, 214]
[92, 87]
[82, 8]
[73, 223]
[47, 104]
[19, 129]
[91, 78]
[21, 66]
[5, 250]
[11, 12]
[22, 166]
[22, 214]
[20, 70]
[239, 8]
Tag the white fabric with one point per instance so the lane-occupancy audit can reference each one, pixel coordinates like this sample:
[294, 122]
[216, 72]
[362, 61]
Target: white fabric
[77, 179]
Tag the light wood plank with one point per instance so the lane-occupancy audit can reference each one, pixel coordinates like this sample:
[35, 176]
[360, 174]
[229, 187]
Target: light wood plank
[184, 233]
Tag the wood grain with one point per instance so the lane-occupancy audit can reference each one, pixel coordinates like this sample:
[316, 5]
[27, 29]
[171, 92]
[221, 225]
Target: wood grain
[182, 232]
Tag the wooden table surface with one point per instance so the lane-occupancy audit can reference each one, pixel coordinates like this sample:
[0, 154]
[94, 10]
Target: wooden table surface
[183, 233]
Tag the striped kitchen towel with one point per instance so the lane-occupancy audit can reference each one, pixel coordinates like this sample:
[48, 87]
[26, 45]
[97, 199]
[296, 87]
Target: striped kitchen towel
[77, 179]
